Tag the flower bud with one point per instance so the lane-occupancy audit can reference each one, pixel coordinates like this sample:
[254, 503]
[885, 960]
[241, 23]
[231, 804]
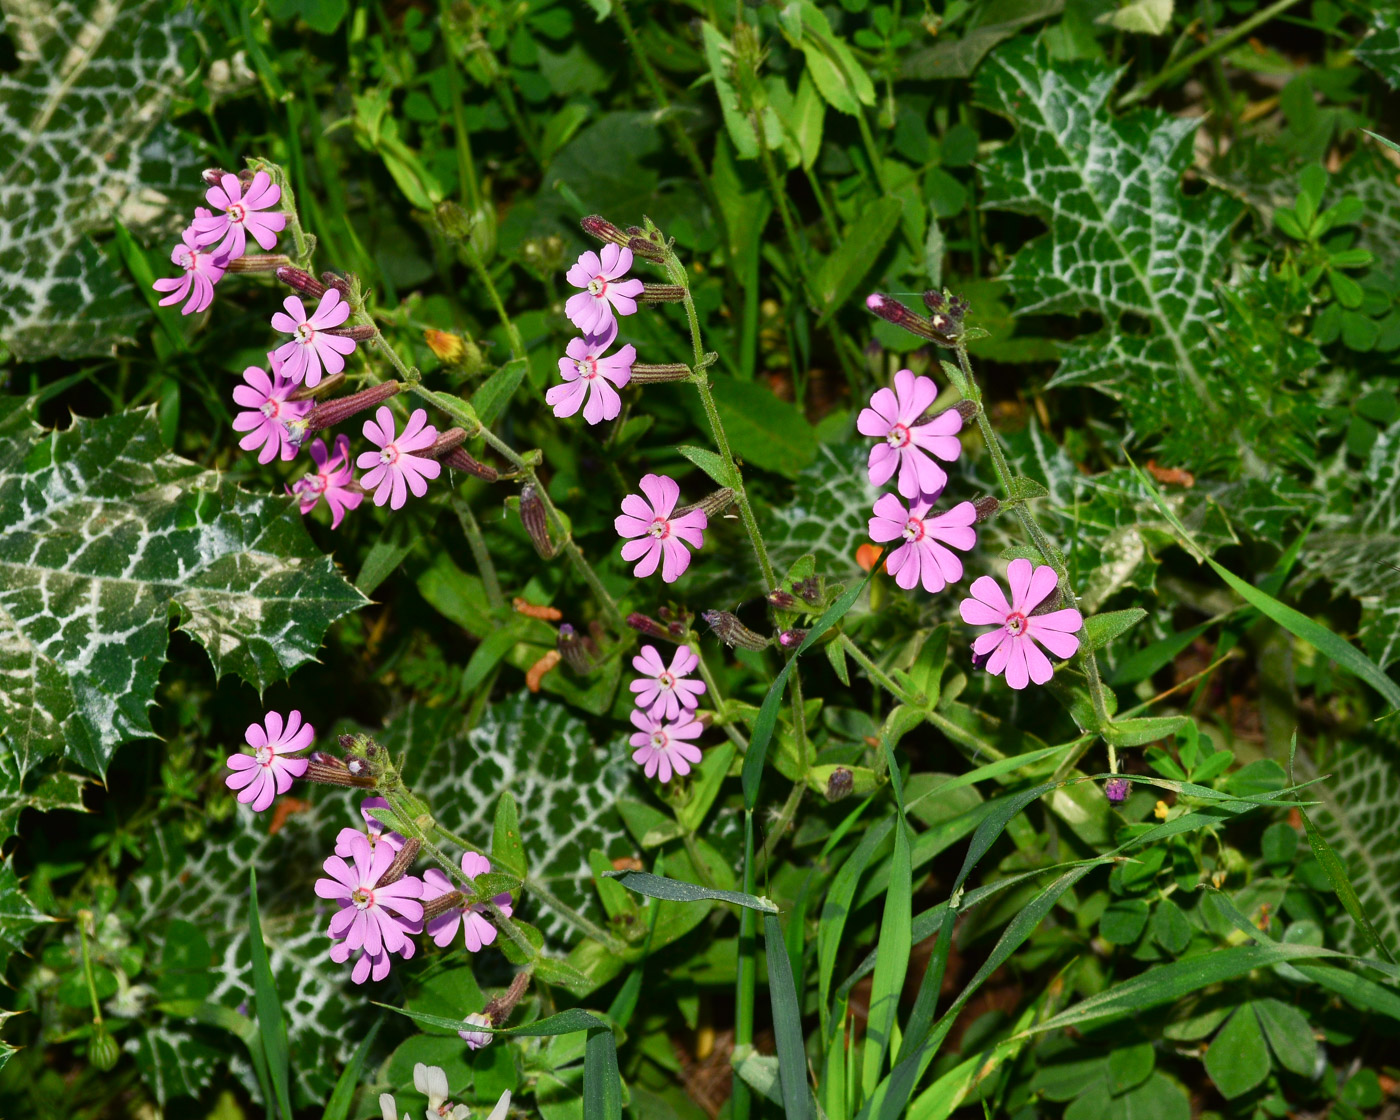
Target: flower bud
[1116, 790]
[330, 413]
[361, 333]
[597, 226]
[647, 243]
[323, 388]
[437, 907]
[301, 281]
[459, 460]
[536, 522]
[842, 783]
[259, 262]
[662, 293]
[213, 176]
[986, 506]
[783, 600]
[946, 312]
[573, 647]
[103, 1050]
[643, 374]
[677, 622]
[964, 408]
[732, 632]
[791, 639]
[649, 626]
[476, 1039]
[340, 283]
[445, 442]
[711, 505]
[354, 774]
[498, 1008]
[892, 311]
[810, 589]
[403, 860]
[455, 222]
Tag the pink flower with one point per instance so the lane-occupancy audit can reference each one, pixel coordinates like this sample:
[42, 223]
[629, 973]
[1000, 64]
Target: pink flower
[659, 535]
[906, 445]
[392, 466]
[374, 830]
[591, 310]
[662, 747]
[311, 347]
[477, 929]
[269, 413]
[332, 479]
[203, 269]
[1012, 644]
[236, 215]
[663, 692]
[476, 1039]
[924, 553]
[373, 917]
[587, 373]
[266, 772]
[372, 964]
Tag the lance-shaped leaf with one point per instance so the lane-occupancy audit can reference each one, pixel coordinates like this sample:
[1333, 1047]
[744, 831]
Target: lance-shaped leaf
[103, 535]
[1123, 241]
[81, 139]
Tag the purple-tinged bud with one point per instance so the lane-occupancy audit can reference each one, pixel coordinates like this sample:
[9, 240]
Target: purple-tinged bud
[330, 413]
[892, 311]
[705, 719]
[476, 1039]
[299, 280]
[437, 907]
[732, 632]
[459, 460]
[810, 590]
[712, 504]
[213, 176]
[986, 506]
[677, 622]
[979, 660]
[573, 647]
[649, 626]
[361, 333]
[536, 522]
[662, 293]
[841, 784]
[791, 639]
[350, 742]
[259, 262]
[403, 860]
[340, 283]
[358, 767]
[498, 1009]
[597, 226]
[783, 600]
[325, 758]
[1116, 790]
[445, 442]
[339, 773]
[643, 374]
[647, 244]
[323, 388]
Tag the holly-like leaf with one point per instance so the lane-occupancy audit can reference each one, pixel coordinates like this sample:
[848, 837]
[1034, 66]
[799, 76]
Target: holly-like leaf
[40, 791]
[1123, 241]
[79, 144]
[103, 535]
[1380, 50]
[17, 914]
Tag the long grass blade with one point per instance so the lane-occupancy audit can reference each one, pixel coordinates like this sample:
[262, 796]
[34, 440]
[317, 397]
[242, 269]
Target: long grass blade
[787, 1022]
[271, 1024]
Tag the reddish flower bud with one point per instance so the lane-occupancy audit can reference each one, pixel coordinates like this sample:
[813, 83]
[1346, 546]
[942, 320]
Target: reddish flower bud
[330, 413]
[445, 443]
[360, 333]
[459, 460]
[596, 226]
[302, 281]
[782, 600]
[437, 907]
[842, 783]
[986, 506]
[334, 280]
[791, 639]
[212, 176]
[712, 504]
[259, 262]
[649, 626]
[892, 311]
[536, 522]
[403, 860]
[662, 293]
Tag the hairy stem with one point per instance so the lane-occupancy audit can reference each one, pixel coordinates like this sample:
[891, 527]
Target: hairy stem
[875, 673]
[468, 250]
[490, 582]
[735, 735]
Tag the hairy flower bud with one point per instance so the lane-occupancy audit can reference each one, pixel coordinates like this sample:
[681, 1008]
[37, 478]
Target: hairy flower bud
[403, 860]
[362, 333]
[536, 522]
[574, 648]
[964, 408]
[783, 600]
[330, 413]
[213, 176]
[647, 243]
[597, 226]
[711, 504]
[892, 311]
[732, 632]
[498, 1009]
[323, 388]
[459, 460]
[437, 907]
[649, 626]
[986, 506]
[340, 283]
[331, 771]
[946, 313]
[301, 281]
[1116, 790]
[259, 262]
[662, 293]
[643, 374]
[810, 589]
[445, 442]
[791, 639]
[842, 783]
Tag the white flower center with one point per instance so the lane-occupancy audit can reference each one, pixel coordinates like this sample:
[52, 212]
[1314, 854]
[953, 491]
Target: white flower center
[1015, 624]
[897, 436]
[587, 368]
[271, 409]
[189, 260]
[659, 739]
[317, 483]
[667, 681]
[305, 333]
[598, 286]
[264, 755]
[389, 454]
[913, 529]
[363, 898]
[237, 213]
[660, 529]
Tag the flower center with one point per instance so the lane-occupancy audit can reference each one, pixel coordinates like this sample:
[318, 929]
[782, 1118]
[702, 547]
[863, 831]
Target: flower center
[667, 681]
[264, 756]
[659, 739]
[898, 436]
[189, 261]
[389, 454]
[1015, 624]
[237, 213]
[598, 286]
[363, 898]
[271, 409]
[913, 529]
[660, 529]
[305, 333]
[317, 483]
[587, 368]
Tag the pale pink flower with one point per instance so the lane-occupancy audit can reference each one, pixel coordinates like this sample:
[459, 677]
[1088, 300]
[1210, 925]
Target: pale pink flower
[476, 1039]
[266, 772]
[393, 466]
[372, 917]
[374, 830]
[237, 214]
[1012, 644]
[587, 374]
[663, 692]
[906, 445]
[662, 747]
[203, 267]
[269, 413]
[311, 347]
[924, 554]
[332, 479]
[659, 537]
[604, 292]
[369, 964]
[477, 929]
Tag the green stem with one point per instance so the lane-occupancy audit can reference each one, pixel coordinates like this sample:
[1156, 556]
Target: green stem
[871, 152]
[468, 250]
[775, 186]
[735, 735]
[875, 673]
[780, 826]
[84, 916]
[481, 554]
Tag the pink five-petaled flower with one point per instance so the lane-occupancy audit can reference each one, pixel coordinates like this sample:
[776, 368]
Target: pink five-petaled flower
[924, 554]
[905, 445]
[311, 347]
[266, 772]
[663, 692]
[372, 917]
[662, 747]
[587, 373]
[592, 310]
[236, 214]
[653, 534]
[332, 479]
[477, 930]
[269, 413]
[374, 830]
[1012, 644]
[203, 267]
[369, 964]
[392, 466]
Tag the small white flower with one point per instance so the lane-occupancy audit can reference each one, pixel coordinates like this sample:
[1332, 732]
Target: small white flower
[431, 1081]
[387, 1109]
[499, 1112]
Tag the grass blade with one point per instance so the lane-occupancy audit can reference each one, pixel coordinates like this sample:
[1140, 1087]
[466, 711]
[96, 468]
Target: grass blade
[1341, 883]
[787, 1022]
[674, 890]
[338, 1107]
[602, 1084]
[271, 1025]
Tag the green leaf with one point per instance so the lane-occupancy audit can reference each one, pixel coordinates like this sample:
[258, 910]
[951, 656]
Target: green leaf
[736, 123]
[322, 16]
[837, 72]
[1237, 1058]
[458, 596]
[338, 1107]
[995, 23]
[710, 463]
[1024, 489]
[1130, 1066]
[1146, 17]
[1290, 1037]
[673, 890]
[1100, 629]
[18, 916]
[1380, 50]
[893, 963]
[272, 1027]
[1146, 729]
[84, 135]
[843, 271]
[763, 430]
[602, 1084]
[492, 396]
[1170, 929]
[787, 1022]
[1122, 923]
[102, 535]
[39, 790]
[506, 846]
